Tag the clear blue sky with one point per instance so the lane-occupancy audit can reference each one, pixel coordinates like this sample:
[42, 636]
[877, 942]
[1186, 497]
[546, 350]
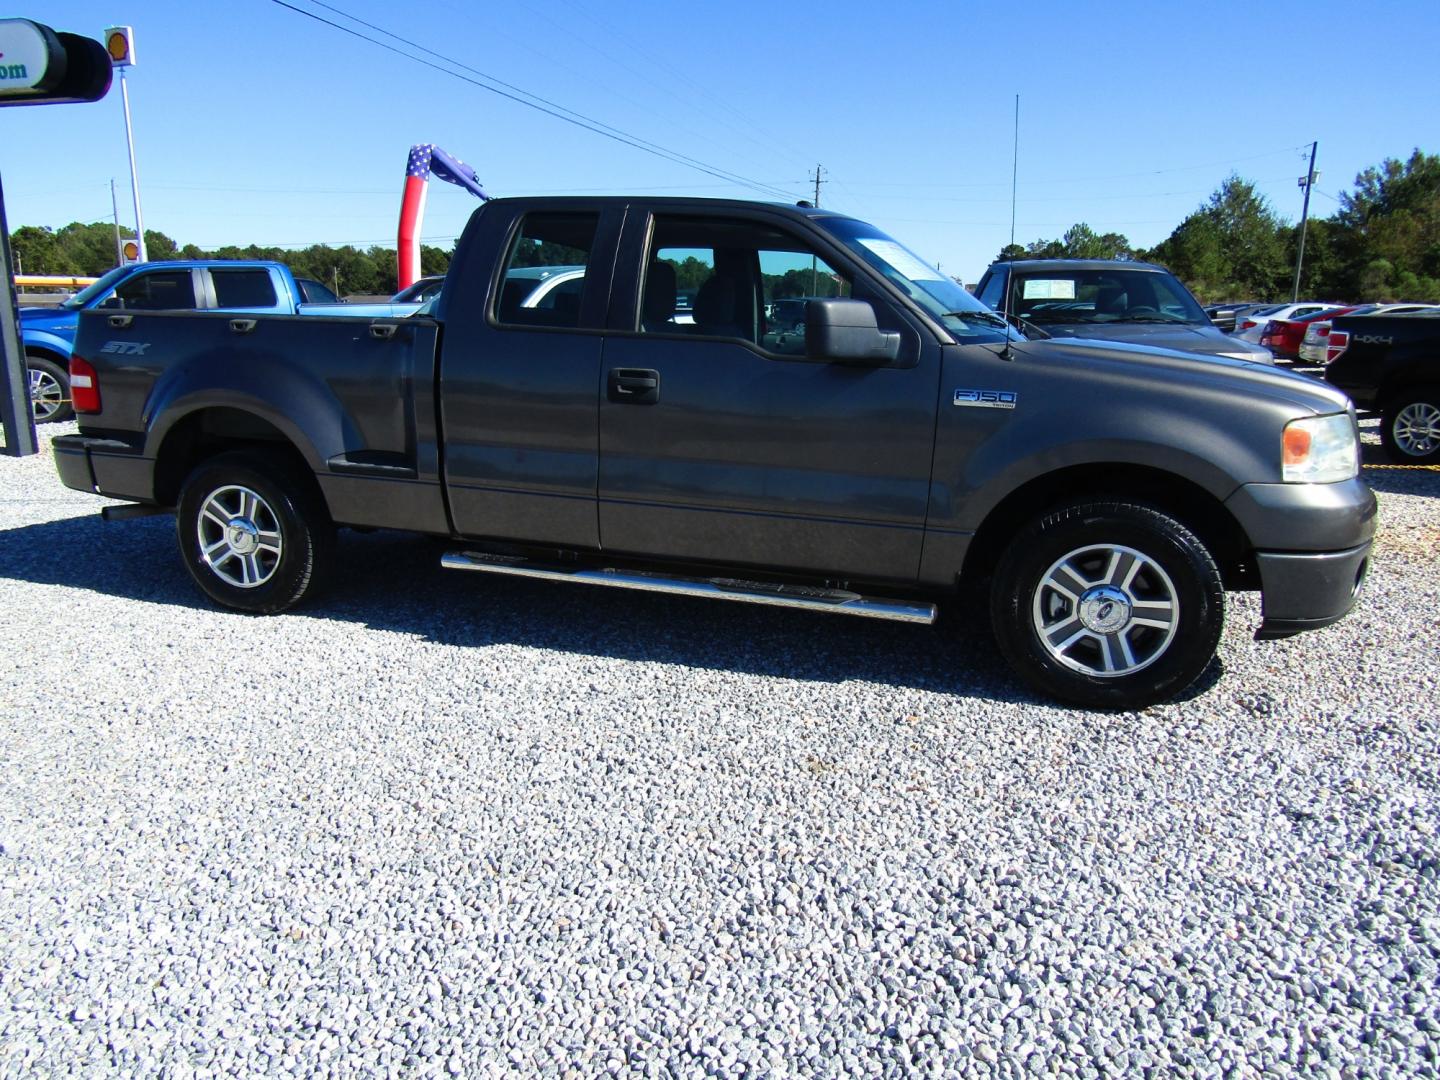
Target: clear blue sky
[255, 124]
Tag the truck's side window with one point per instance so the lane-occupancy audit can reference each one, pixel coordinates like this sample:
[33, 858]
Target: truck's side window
[159, 290]
[545, 273]
[243, 288]
[711, 277]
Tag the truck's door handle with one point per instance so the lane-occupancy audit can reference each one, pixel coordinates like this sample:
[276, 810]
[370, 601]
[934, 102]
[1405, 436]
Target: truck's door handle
[242, 326]
[383, 331]
[634, 386]
[120, 322]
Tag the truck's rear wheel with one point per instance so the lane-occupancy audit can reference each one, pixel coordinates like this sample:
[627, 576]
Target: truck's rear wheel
[1108, 604]
[253, 534]
[49, 389]
[1411, 428]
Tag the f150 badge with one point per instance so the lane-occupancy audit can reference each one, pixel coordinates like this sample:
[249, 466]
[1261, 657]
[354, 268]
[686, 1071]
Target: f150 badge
[986, 399]
[125, 348]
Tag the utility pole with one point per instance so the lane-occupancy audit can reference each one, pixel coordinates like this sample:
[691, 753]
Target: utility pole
[818, 182]
[115, 216]
[1307, 182]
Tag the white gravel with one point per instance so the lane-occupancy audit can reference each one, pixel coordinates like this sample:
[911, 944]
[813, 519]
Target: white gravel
[440, 824]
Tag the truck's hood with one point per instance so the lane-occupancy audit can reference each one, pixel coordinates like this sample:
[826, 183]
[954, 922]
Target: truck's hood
[53, 320]
[1218, 373]
[1187, 338]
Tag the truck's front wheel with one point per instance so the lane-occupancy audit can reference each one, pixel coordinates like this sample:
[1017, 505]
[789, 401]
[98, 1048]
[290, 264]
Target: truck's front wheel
[253, 534]
[1411, 427]
[1108, 604]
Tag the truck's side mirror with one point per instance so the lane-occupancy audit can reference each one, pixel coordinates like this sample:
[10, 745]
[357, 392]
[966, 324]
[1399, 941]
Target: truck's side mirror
[845, 330]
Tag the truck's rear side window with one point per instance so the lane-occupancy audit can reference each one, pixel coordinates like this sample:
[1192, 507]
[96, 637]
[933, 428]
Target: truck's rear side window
[243, 288]
[545, 274]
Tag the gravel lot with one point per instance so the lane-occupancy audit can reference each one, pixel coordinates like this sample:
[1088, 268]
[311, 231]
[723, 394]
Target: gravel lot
[445, 824]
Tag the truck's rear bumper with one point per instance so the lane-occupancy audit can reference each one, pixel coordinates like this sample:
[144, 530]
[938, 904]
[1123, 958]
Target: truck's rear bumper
[1307, 590]
[104, 466]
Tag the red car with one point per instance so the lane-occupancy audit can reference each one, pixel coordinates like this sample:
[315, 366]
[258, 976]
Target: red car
[1283, 336]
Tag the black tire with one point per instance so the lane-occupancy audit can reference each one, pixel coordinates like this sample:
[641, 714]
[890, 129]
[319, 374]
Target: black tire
[1410, 429]
[49, 389]
[282, 543]
[1152, 663]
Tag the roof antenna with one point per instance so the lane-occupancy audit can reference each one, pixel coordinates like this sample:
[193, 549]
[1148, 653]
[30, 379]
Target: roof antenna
[1008, 353]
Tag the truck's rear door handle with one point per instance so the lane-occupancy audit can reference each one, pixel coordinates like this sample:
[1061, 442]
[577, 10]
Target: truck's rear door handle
[383, 331]
[242, 326]
[634, 386]
[120, 322]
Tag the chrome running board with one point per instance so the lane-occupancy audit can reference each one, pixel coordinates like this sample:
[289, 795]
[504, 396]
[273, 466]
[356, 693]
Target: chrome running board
[809, 598]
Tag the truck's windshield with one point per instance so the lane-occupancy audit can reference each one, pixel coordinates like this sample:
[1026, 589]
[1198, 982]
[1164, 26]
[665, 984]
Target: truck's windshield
[936, 292]
[95, 289]
[1111, 295]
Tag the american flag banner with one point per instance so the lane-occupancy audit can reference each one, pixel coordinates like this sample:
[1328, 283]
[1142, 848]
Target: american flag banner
[426, 160]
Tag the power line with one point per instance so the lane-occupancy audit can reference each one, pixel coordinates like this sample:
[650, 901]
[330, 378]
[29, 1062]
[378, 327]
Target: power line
[535, 101]
[1080, 179]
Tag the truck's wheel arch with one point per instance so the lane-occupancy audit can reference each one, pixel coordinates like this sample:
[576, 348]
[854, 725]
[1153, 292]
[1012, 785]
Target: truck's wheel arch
[1184, 499]
[205, 432]
[54, 355]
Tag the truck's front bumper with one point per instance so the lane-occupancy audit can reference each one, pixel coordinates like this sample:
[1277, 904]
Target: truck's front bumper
[1307, 590]
[1312, 548]
[104, 467]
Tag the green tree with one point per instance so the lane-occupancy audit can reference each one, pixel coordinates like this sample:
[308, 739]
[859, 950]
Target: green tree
[1389, 230]
[1231, 247]
[1079, 242]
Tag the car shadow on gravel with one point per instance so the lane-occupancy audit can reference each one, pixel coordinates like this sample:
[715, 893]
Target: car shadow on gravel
[393, 581]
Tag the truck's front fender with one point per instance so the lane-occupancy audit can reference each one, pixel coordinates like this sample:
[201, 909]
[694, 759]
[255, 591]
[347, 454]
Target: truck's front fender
[43, 341]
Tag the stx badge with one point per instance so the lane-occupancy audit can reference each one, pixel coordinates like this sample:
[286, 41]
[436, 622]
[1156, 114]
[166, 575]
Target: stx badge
[987, 399]
[125, 348]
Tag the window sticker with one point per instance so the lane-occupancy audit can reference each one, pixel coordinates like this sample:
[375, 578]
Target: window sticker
[1049, 289]
[902, 260]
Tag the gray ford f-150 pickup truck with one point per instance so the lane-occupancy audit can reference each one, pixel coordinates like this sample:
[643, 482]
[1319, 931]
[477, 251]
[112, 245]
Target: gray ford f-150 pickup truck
[900, 441]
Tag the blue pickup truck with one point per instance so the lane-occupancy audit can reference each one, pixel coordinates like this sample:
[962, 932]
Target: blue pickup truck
[253, 287]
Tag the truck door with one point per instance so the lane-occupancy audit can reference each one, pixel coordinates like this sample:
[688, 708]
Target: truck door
[520, 365]
[720, 441]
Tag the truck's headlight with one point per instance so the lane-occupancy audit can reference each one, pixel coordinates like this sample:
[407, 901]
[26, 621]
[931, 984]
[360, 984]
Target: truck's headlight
[1320, 450]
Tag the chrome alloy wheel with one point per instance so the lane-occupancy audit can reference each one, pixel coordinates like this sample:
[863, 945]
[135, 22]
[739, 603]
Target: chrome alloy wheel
[1106, 610]
[1416, 428]
[47, 396]
[239, 536]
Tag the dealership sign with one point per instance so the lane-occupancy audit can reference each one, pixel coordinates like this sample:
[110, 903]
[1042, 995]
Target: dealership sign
[40, 66]
[31, 57]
